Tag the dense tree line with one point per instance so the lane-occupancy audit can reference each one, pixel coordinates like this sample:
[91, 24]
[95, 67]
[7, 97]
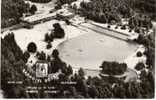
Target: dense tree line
[144, 6]
[33, 9]
[113, 10]
[138, 21]
[32, 47]
[149, 43]
[12, 64]
[113, 68]
[12, 10]
[105, 10]
[58, 31]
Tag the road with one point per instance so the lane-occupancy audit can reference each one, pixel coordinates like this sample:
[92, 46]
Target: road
[12, 27]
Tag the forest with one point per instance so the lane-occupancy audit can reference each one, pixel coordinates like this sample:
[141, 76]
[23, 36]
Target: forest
[106, 11]
[13, 10]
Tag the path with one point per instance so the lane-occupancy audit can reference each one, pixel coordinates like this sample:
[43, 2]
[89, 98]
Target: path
[130, 76]
[17, 26]
[109, 29]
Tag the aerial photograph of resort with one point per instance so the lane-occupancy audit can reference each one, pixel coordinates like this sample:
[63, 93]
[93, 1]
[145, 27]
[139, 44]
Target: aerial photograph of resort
[84, 49]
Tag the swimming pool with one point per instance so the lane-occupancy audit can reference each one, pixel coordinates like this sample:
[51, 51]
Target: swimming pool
[91, 49]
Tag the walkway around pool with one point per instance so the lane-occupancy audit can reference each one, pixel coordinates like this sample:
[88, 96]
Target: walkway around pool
[101, 30]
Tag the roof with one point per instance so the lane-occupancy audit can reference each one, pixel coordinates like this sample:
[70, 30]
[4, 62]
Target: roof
[38, 17]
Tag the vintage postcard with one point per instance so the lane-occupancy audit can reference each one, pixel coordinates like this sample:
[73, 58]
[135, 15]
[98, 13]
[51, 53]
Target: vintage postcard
[90, 49]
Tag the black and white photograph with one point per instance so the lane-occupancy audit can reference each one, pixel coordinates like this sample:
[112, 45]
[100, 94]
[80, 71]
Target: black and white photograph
[77, 49]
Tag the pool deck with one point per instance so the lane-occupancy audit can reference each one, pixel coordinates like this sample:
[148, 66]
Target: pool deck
[105, 33]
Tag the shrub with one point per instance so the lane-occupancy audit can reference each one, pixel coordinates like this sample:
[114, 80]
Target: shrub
[67, 22]
[33, 9]
[69, 70]
[48, 46]
[48, 38]
[123, 27]
[32, 47]
[26, 55]
[41, 56]
[137, 30]
[58, 31]
[130, 30]
[51, 37]
[108, 26]
[48, 58]
[116, 27]
[139, 54]
[113, 68]
[139, 66]
[81, 72]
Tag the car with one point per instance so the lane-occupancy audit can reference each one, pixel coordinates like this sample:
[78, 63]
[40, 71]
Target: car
[28, 26]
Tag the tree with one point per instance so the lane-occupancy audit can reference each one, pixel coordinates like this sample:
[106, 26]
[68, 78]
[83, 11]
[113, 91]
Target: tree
[81, 72]
[67, 22]
[32, 47]
[41, 56]
[48, 38]
[119, 91]
[27, 5]
[74, 7]
[113, 68]
[55, 53]
[139, 54]
[12, 11]
[123, 27]
[74, 92]
[139, 66]
[93, 92]
[58, 31]
[26, 55]
[69, 70]
[48, 58]
[33, 9]
[49, 45]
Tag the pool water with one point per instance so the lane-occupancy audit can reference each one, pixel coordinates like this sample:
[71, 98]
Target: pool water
[91, 49]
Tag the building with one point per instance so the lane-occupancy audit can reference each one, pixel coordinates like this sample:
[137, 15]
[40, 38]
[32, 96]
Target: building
[42, 69]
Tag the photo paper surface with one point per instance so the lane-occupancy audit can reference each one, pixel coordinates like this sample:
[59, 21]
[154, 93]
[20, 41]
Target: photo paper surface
[78, 49]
